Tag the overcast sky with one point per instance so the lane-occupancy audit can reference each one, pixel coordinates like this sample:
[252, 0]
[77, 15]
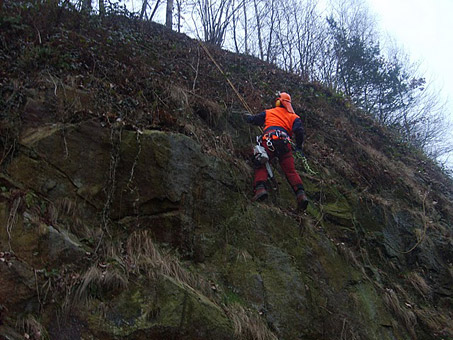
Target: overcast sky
[424, 29]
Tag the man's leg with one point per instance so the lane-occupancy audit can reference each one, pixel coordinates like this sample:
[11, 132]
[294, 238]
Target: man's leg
[287, 164]
[260, 192]
[261, 175]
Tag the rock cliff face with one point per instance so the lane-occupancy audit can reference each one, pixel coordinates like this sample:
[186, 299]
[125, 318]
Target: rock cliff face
[125, 206]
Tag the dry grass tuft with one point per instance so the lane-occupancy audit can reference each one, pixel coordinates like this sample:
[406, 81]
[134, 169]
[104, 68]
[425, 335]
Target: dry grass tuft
[12, 219]
[69, 212]
[243, 256]
[178, 96]
[247, 325]
[440, 325]
[67, 207]
[97, 279]
[405, 315]
[144, 256]
[31, 328]
[209, 111]
[419, 283]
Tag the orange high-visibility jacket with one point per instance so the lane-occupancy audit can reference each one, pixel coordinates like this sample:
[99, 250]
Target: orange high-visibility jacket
[280, 117]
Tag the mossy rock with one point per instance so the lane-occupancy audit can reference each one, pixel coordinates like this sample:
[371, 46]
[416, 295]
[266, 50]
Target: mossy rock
[39, 244]
[167, 309]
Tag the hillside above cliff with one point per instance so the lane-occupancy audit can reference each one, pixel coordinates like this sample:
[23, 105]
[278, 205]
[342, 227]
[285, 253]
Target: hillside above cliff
[125, 198]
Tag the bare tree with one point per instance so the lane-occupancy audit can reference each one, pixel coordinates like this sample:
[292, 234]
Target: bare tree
[154, 10]
[286, 32]
[101, 7]
[246, 36]
[235, 30]
[145, 5]
[143, 10]
[258, 27]
[179, 13]
[241, 26]
[424, 122]
[356, 17]
[169, 14]
[257, 22]
[286, 36]
[86, 5]
[310, 38]
[273, 13]
[215, 17]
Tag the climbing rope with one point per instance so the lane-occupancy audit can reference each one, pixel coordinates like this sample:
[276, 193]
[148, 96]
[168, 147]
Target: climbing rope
[241, 99]
[307, 166]
[247, 107]
[425, 228]
[301, 156]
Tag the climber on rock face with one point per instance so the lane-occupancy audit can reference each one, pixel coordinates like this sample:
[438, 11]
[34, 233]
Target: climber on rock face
[280, 124]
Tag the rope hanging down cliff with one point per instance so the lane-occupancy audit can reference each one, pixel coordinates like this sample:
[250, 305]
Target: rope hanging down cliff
[247, 107]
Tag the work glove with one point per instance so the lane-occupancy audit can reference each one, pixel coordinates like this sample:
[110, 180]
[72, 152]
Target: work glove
[248, 118]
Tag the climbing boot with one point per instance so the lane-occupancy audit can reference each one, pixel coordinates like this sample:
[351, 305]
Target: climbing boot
[260, 193]
[302, 200]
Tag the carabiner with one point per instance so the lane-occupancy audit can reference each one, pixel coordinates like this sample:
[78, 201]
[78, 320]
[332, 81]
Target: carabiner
[270, 146]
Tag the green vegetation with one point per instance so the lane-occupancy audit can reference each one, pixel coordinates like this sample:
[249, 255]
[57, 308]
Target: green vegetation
[125, 198]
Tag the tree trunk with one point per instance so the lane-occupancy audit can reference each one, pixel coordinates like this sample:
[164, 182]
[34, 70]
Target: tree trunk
[246, 38]
[142, 12]
[179, 8]
[271, 31]
[154, 10]
[86, 5]
[235, 31]
[169, 17]
[258, 26]
[101, 8]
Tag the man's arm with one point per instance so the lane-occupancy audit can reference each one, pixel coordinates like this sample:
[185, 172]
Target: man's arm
[298, 131]
[258, 119]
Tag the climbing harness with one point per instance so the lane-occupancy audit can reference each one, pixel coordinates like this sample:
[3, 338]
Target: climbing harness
[247, 107]
[259, 151]
[271, 137]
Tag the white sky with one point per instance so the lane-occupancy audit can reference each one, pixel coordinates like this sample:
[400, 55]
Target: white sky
[424, 29]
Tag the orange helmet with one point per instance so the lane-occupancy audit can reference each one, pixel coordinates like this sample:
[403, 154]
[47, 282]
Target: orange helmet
[285, 100]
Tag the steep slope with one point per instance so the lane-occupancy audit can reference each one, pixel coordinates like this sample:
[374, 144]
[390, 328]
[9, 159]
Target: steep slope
[125, 198]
